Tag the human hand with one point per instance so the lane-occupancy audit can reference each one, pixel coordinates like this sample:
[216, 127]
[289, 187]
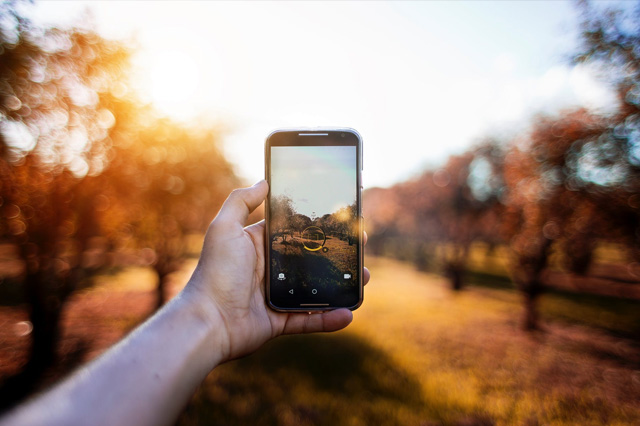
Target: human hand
[228, 283]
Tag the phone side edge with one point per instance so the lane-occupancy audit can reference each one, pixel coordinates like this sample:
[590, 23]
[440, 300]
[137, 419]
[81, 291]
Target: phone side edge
[359, 186]
[267, 251]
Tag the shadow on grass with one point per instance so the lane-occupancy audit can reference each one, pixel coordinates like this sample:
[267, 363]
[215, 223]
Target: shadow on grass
[33, 377]
[483, 279]
[617, 316]
[316, 379]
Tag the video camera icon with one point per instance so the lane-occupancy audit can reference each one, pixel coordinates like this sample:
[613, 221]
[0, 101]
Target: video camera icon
[347, 276]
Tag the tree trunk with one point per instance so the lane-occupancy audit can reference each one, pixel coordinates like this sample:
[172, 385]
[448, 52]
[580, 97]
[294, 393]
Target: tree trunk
[530, 319]
[45, 319]
[160, 292]
[455, 265]
[162, 270]
[530, 268]
[456, 278]
[45, 309]
[46, 294]
[421, 258]
[160, 289]
[455, 271]
[580, 254]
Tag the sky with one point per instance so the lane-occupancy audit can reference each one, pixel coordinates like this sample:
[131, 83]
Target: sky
[319, 180]
[418, 80]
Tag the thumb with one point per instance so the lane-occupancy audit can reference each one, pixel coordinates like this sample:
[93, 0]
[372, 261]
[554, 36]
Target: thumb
[241, 202]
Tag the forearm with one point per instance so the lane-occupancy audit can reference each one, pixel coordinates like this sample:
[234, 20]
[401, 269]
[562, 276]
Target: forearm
[145, 379]
[221, 314]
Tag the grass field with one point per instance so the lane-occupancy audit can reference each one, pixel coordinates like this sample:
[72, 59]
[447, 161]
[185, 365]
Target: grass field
[419, 354]
[416, 354]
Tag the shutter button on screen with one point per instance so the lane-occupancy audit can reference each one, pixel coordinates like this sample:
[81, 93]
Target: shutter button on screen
[314, 291]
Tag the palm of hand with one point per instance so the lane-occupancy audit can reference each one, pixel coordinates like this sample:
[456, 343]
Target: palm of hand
[231, 275]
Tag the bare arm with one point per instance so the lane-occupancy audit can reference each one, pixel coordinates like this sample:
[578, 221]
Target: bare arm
[220, 315]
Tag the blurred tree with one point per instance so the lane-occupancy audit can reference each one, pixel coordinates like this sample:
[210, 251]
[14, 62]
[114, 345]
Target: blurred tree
[347, 217]
[282, 212]
[54, 134]
[575, 179]
[441, 213]
[570, 182]
[300, 222]
[465, 205]
[543, 207]
[381, 209]
[341, 223]
[81, 160]
[169, 182]
[608, 165]
[326, 223]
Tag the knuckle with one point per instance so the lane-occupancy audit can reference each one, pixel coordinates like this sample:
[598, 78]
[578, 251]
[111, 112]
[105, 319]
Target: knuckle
[236, 193]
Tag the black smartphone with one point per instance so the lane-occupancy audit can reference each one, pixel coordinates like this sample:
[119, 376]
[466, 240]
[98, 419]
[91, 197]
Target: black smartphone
[313, 216]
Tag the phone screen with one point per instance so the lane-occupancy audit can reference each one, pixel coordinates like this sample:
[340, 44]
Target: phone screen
[314, 226]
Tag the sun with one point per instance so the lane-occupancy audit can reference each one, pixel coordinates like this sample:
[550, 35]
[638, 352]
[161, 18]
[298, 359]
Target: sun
[170, 80]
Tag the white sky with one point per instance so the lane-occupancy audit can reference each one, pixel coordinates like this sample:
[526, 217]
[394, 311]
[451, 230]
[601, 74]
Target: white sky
[418, 80]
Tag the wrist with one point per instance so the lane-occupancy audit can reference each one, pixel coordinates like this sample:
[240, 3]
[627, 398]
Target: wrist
[203, 308]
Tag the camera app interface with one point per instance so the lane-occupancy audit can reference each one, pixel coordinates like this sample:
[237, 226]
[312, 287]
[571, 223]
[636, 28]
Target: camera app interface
[314, 226]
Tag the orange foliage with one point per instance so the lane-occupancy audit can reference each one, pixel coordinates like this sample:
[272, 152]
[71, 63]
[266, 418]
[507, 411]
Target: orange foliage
[86, 169]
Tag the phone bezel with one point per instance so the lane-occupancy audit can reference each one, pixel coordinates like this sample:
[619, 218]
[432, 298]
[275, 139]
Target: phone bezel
[305, 137]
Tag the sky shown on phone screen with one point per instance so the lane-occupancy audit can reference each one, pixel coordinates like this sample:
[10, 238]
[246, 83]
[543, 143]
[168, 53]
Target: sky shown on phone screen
[319, 180]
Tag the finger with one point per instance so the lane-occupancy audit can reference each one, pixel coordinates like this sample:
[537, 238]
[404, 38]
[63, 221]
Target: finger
[241, 202]
[326, 321]
[256, 232]
[366, 275]
[256, 227]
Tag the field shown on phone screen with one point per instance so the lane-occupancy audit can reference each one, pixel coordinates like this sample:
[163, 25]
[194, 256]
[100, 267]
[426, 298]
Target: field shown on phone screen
[314, 220]
[315, 268]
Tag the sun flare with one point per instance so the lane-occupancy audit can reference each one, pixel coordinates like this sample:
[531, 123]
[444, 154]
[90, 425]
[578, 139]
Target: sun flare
[171, 81]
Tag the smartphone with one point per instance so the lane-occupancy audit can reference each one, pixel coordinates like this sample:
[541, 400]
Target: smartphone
[314, 244]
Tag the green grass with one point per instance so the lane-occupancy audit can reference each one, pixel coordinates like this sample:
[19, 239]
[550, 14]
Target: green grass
[420, 354]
